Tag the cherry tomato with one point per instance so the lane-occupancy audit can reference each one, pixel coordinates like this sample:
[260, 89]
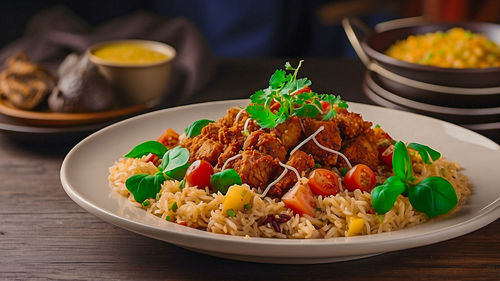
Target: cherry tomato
[386, 155]
[300, 199]
[275, 107]
[199, 173]
[325, 106]
[324, 182]
[360, 177]
[306, 89]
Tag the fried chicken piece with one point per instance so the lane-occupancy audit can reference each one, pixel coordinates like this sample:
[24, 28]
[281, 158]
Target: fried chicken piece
[211, 130]
[351, 124]
[209, 150]
[361, 150]
[229, 151]
[231, 136]
[329, 137]
[228, 119]
[255, 168]
[265, 143]
[288, 132]
[300, 161]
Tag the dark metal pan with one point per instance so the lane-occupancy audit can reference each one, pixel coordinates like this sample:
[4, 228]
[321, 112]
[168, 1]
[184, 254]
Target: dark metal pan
[370, 46]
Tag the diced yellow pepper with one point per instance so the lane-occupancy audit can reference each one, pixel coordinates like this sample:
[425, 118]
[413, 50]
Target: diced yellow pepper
[354, 225]
[236, 198]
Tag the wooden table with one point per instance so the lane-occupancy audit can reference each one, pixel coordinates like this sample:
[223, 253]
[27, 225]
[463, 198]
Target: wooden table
[43, 234]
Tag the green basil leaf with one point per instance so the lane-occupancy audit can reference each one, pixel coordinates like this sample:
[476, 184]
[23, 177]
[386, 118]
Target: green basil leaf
[425, 152]
[223, 180]
[384, 196]
[401, 163]
[195, 129]
[175, 162]
[433, 196]
[144, 186]
[147, 147]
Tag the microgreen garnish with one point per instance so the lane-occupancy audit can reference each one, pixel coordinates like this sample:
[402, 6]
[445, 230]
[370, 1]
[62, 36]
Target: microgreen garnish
[147, 147]
[433, 196]
[294, 97]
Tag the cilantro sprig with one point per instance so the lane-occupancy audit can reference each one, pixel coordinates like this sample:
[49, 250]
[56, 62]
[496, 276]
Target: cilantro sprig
[294, 98]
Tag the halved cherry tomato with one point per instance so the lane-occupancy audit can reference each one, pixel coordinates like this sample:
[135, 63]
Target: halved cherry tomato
[169, 138]
[325, 106]
[199, 173]
[275, 107]
[300, 199]
[360, 177]
[386, 155]
[324, 182]
[306, 89]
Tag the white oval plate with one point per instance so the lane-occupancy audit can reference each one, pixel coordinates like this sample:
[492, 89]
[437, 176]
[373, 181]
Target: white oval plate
[84, 175]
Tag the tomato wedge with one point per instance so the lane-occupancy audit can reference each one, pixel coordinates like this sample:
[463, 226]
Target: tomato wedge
[325, 106]
[324, 182]
[199, 173]
[306, 89]
[386, 155]
[300, 199]
[360, 177]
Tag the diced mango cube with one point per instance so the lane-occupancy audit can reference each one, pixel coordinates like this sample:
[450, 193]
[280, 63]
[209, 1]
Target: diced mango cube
[236, 198]
[354, 225]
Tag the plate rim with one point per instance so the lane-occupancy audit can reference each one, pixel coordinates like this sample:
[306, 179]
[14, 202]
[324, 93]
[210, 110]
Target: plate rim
[418, 239]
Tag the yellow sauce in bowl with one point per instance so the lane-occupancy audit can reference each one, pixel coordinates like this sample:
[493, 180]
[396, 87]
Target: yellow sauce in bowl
[129, 53]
